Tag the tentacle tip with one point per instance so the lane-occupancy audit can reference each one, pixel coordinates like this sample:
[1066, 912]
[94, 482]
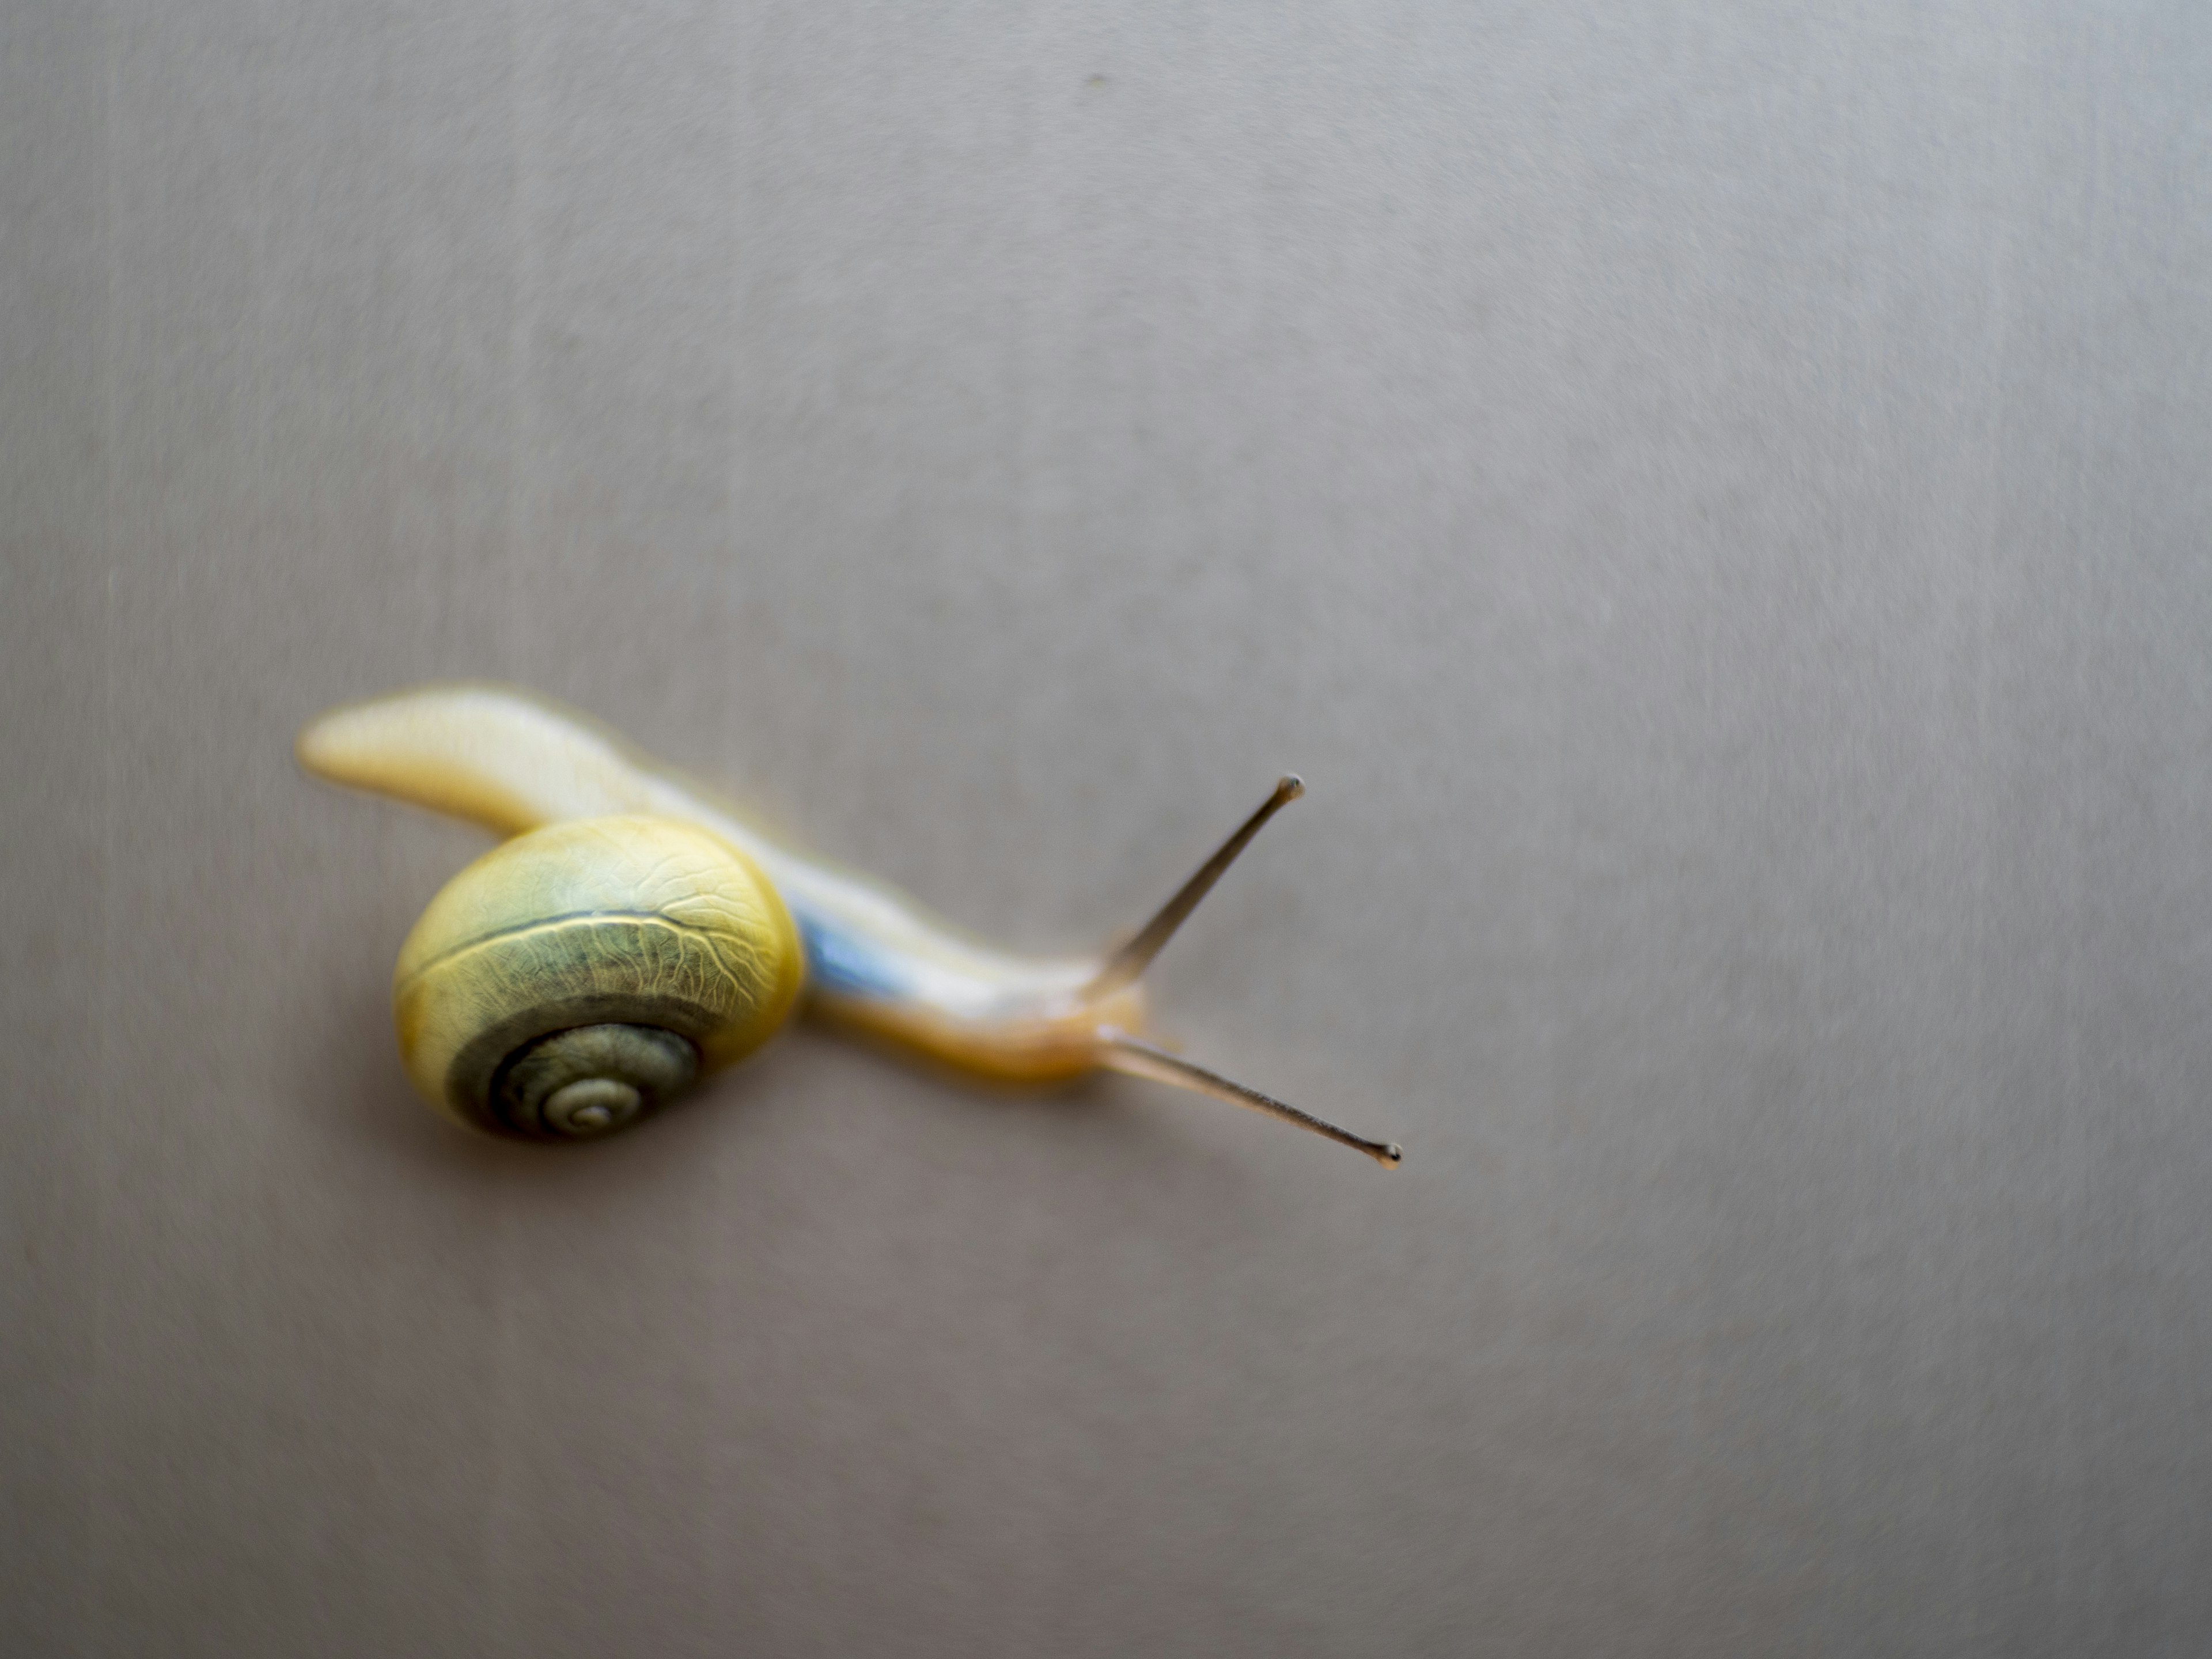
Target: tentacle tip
[1391, 1155]
[1289, 785]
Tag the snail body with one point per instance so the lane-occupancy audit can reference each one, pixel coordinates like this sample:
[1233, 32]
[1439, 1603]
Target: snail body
[637, 931]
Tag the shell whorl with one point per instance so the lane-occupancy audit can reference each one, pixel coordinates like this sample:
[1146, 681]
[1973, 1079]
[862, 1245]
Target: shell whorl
[591, 1080]
[576, 977]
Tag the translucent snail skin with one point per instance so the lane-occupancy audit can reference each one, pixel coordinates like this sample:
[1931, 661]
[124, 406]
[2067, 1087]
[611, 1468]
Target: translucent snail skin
[635, 933]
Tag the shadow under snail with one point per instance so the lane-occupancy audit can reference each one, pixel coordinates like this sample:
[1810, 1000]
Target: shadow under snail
[637, 932]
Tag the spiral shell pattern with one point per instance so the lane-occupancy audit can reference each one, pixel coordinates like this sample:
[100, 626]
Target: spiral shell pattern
[571, 979]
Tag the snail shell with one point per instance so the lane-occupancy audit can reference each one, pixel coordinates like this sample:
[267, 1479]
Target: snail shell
[576, 977]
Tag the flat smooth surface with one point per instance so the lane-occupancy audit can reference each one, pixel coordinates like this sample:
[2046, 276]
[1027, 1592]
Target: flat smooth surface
[1713, 499]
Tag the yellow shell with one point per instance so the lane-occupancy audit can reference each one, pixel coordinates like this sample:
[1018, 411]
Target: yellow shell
[573, 978]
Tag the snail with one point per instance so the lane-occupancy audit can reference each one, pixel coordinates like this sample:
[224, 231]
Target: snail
[635, 933]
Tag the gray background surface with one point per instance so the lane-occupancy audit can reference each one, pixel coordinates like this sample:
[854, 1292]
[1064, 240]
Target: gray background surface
[1713, 497]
